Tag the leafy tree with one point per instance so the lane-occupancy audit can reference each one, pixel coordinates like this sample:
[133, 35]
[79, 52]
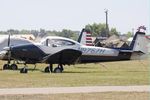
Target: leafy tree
[100, 30]
[12, 31]
[68, 34]
[24, 32]
[34, 32]
[129, 34]
[96, 29]
[113, 31]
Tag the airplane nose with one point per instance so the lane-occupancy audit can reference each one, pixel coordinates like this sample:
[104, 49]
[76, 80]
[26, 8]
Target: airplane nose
[18, 51]
[27, 52]
[15, 49]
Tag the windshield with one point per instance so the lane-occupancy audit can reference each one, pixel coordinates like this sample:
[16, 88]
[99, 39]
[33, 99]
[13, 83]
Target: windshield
[58, 42]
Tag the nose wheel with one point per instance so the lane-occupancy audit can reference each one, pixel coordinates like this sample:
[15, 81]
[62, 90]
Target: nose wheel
[24, 70]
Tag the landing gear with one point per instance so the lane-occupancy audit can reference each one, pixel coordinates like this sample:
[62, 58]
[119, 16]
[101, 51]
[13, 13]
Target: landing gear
[24, 70]
[6, 66]
[10, 67]
[59, 69]
[49, 69]
[14, 67]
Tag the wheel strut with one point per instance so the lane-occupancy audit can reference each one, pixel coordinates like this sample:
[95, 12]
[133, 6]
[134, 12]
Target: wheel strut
[49, 68]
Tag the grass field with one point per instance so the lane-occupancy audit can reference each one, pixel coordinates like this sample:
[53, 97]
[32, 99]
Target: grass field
[114, 73]
[88, 96]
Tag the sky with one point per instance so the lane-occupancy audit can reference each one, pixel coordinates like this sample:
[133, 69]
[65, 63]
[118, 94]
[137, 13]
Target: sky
[124, 15]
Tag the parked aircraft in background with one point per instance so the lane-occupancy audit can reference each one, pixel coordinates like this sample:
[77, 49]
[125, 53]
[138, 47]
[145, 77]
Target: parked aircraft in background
[5, 42]
[62, 51]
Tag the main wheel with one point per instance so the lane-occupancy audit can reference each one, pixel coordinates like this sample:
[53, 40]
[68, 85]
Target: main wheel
[24, 70]
[6, 66]
[47, 70]
[58, 70]
[14, 67]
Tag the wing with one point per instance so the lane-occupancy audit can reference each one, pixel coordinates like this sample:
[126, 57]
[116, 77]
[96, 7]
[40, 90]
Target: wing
[66, 56]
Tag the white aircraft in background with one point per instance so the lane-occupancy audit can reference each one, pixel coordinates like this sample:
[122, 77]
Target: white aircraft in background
[62, 51]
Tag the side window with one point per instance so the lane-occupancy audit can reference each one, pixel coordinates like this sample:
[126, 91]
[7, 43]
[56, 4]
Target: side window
[59, 42]
[50, 42]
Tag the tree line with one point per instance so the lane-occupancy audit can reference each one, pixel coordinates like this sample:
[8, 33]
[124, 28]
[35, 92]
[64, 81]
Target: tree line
[97, 29]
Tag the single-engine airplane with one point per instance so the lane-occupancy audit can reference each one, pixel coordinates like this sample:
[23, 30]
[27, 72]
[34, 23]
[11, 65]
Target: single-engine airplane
[62, 51]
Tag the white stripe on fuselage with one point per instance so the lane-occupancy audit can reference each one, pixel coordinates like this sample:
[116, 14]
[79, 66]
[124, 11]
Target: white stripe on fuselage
[86, 50]
[98, 51]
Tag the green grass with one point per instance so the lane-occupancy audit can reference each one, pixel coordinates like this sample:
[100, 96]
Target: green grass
[87, 96]
[114, 73]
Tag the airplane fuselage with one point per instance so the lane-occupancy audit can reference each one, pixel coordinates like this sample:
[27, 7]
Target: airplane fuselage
[35, 53]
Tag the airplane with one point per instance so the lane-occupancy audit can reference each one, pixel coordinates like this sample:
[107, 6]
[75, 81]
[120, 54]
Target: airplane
[65, 51]
[11, 40]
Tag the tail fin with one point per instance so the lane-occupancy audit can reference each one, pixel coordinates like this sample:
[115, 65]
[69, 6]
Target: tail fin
[85, 37]
[138, 43]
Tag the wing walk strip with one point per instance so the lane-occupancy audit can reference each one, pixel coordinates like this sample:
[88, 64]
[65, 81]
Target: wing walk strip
[86, 89]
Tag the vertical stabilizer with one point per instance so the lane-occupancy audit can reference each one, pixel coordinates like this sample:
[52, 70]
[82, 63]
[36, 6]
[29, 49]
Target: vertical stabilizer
[139, 42]
[85, 38]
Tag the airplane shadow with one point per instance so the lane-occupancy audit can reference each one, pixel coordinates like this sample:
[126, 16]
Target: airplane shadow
[31, 69]
[70, 72]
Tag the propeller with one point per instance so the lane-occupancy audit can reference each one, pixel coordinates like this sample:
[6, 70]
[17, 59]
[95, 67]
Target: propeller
[9, 49]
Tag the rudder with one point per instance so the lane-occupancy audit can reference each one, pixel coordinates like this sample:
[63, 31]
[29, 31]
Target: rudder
[85, 38]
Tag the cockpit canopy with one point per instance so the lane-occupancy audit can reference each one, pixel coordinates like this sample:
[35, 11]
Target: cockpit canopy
[57, 41]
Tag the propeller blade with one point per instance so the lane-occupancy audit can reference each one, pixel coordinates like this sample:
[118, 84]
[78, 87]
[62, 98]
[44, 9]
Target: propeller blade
[9, 51]
[8, 40]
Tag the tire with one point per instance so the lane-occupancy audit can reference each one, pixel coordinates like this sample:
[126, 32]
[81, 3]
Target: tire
[14, 67]
[24, 70]
[57, 70]
[6, 66]
[47, 70]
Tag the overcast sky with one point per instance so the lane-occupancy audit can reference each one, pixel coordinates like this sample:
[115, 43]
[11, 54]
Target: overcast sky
[73, 14]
